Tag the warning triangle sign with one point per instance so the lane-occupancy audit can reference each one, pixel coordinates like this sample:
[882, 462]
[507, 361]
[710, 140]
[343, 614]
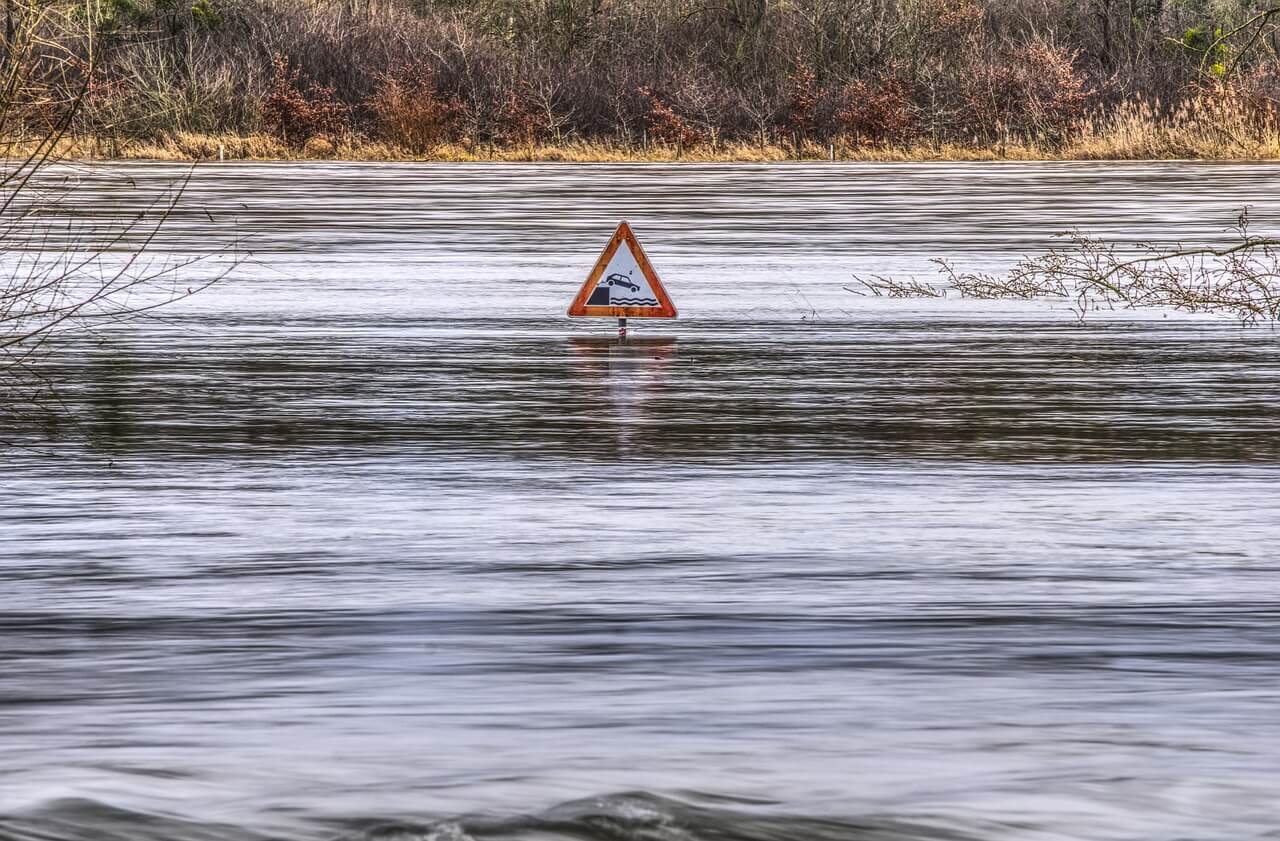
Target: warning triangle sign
[623, 283]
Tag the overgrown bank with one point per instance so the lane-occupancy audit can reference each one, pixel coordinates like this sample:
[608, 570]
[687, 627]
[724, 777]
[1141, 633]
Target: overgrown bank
[661, 79]
[1128, 135]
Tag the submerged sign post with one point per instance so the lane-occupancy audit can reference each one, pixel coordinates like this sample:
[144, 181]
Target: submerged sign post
[623, 284]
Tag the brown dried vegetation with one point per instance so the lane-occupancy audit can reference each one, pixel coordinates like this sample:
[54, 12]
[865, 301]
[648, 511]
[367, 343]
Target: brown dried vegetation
[860, 77]
[409, 111]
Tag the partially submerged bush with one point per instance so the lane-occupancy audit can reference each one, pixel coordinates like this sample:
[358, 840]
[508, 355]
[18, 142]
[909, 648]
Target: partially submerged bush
[68, 267]
[1241, 280]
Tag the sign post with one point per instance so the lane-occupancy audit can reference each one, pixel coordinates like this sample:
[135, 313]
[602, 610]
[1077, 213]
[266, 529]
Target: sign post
[622, 285]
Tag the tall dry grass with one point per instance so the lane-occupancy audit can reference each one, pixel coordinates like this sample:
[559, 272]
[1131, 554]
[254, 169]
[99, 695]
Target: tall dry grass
[1201, 128]
[1136, 133]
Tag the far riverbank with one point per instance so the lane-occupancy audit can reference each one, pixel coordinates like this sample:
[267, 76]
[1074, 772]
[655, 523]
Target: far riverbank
[1135, 139]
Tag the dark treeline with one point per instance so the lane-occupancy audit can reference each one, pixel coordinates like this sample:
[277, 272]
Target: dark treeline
[419, 73]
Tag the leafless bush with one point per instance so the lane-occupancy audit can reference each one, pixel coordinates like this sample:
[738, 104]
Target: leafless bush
[58, 278]
[59, 275]
[152, 88]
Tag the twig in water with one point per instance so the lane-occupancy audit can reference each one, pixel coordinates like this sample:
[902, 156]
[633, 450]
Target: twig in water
[886, 287]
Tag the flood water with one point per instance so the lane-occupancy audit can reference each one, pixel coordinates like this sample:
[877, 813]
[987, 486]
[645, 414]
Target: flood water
[369, 541]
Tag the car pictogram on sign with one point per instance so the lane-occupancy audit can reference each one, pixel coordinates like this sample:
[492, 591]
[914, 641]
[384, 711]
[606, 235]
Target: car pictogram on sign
[621, 280]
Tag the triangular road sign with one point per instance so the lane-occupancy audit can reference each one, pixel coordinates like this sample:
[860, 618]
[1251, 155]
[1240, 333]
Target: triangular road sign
[623, 283]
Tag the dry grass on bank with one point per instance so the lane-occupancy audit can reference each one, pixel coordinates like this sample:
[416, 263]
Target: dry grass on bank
[1200, 129]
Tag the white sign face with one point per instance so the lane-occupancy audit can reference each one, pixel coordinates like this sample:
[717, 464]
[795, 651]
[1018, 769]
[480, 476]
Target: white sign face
[623, 284]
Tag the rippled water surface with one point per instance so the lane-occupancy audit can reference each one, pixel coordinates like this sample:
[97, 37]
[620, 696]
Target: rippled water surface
[369, 541]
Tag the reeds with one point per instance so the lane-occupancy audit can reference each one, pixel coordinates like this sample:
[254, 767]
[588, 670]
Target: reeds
[1140, 141]
[1210, 126]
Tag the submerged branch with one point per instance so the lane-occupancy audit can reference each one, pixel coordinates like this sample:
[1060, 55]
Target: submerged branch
[89, 276]
[886, 287]
[65, 264]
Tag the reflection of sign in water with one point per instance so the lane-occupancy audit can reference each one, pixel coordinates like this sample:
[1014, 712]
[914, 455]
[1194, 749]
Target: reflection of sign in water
[623, 283]
[622, 380]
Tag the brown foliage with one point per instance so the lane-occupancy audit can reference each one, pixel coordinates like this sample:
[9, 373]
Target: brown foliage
[801, 115]
[1032, 92]
[879, 111]
[410, 112]
[297, 115]
[665, 125]
[952, 24]
[1051, 95]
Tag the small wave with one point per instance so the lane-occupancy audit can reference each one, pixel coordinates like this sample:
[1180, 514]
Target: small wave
[636, 302]
[632, 816]
[445, 831]
[78, 819]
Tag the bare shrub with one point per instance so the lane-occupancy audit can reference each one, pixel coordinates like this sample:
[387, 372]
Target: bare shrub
[151, 89]
[61, 268]
[888, 287]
